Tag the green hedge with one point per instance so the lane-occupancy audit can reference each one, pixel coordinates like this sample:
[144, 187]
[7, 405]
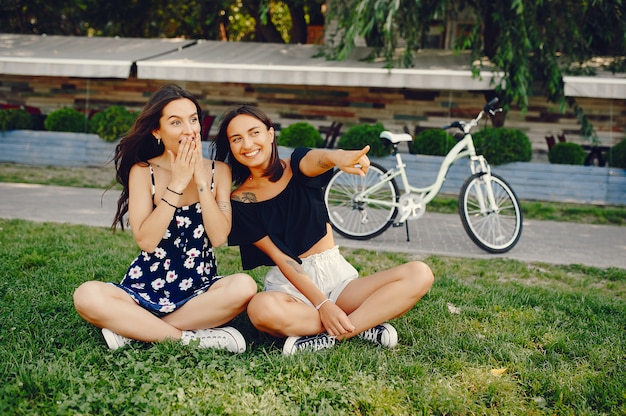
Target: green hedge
[357, 137]
[67, 119]
[301, 134]
[15, 119]
[617, 155]
[435, 142]
[503, 145]
[112, 123]
[567, 153]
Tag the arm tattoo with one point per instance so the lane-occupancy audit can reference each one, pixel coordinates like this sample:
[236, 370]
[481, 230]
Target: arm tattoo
[201, 189]
[245, 197]
[296, 266]
[224, 206]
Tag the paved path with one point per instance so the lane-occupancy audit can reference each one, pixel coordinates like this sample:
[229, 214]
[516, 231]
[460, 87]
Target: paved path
[442, 234]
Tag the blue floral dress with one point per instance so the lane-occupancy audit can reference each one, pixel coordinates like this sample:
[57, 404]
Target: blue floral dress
[182, 266]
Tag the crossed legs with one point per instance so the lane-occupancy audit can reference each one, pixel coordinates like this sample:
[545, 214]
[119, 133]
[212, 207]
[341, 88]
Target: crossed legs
[368, 301]
[107, 306]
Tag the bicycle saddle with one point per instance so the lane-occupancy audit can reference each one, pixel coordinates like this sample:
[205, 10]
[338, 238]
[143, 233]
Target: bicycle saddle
[396, 138]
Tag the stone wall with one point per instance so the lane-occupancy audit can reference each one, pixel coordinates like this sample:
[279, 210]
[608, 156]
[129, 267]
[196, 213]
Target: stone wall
[285, 104]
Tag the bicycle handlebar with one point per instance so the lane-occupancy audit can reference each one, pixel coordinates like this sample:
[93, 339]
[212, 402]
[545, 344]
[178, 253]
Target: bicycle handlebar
[489, 108]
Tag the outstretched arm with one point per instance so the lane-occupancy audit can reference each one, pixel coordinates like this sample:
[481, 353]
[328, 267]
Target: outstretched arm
[318, 161]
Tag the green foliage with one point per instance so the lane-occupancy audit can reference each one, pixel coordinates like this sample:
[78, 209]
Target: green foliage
[66, 119]
[502, 145]
[15, 119]
[617, 155]
[567, 154]
[531, 43]
[301, 134]
[112, 123]
[357, 137]
[434, 142]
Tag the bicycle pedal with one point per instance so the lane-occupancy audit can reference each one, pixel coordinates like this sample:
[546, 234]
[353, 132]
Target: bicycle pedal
[397, 224]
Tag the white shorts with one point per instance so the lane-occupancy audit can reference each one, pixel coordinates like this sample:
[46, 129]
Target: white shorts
[329, 271]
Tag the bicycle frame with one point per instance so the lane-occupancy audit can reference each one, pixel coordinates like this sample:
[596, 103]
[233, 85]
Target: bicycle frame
[412, 208]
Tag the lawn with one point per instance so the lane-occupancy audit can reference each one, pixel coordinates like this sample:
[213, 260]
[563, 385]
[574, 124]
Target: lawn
[491, 337]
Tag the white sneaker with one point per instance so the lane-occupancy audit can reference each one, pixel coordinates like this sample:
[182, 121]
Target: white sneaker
[224, 338]
[308, 343]
[114, 341]
[383, 334]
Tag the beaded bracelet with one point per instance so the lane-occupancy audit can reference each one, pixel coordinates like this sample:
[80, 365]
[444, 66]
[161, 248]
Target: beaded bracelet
[168, 203]
[173, 191]
[320, 305]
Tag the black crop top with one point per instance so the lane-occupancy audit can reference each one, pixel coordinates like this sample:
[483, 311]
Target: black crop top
[295, 219]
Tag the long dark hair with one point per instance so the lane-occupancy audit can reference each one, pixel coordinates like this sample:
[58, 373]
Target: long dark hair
[139, 145]
[222, 145]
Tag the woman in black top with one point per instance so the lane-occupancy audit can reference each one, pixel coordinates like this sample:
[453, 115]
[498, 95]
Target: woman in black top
[312, 295]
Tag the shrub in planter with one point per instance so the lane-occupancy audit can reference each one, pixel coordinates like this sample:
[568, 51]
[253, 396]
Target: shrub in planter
[66, 119]
[503, 145]
[300, 134]
[112, 123]
[15, 119]
[617, 155]
[435, 142]
[357, 137]
[567, 153]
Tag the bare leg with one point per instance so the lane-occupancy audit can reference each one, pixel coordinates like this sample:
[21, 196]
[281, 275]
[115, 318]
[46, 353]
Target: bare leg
[107, 306]
[226, 299]
[384, 295]
[281, 315]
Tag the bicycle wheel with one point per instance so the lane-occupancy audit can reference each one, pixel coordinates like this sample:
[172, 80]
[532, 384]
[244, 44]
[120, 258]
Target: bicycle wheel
[355, 219]
[495, 231]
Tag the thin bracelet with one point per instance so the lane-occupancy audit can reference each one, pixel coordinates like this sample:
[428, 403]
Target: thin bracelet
[168, 203]
[320, 305]
[171, 190]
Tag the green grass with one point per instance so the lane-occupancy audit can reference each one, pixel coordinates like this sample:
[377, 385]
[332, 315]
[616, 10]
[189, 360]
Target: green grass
[104, 177]
[558, 331]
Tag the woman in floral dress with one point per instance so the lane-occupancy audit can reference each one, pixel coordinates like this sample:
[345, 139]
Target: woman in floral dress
[178, 208]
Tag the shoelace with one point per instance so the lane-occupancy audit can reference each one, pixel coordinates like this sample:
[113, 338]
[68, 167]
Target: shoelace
[371, 334]
[317, 343]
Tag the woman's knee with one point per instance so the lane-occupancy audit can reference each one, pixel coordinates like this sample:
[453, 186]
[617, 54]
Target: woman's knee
[88, 297]
[264, 310]
[420, 276]
[242, 286]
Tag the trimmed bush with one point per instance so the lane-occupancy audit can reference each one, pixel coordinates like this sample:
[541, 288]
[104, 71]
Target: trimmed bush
[617, 155]
[357, 137]
[66, 119]
[435, 142]
[503, 145]
[15, 119]
[301, 134]
[567, 154]
[112, 123]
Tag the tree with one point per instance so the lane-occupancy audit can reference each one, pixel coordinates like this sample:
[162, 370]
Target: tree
[531, 42]
[252, 20]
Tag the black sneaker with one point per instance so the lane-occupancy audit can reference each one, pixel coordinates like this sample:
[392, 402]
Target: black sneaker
[383, 334]
[308, 343]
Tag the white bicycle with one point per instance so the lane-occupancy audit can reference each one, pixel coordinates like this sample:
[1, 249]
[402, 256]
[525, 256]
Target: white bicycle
[364, 207]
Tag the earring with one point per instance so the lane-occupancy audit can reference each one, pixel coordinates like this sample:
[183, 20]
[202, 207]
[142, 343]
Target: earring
[159, 140]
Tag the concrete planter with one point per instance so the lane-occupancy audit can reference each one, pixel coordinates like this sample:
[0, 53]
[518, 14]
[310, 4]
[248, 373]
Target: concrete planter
[51, 148]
